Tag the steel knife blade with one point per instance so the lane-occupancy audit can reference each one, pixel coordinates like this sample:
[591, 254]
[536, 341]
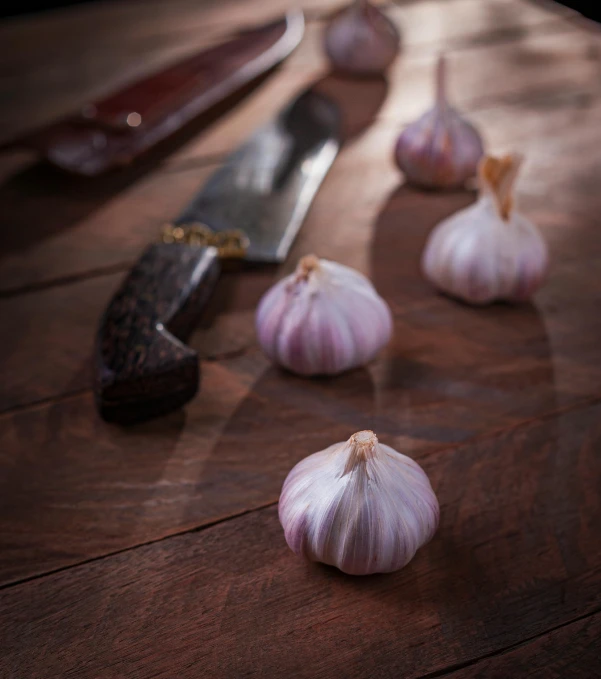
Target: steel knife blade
[266, 187]
[260, 195]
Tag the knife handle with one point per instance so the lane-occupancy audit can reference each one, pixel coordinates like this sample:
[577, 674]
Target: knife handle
[143, 367]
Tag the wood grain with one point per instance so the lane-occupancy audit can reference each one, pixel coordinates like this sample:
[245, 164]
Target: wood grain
[374, 225]
[77, 55]
[571, 651]
[428, 26]
[451, 373]
[59, 227]
[187, 571]
[516, 554]
[481, 75]
[70, 225]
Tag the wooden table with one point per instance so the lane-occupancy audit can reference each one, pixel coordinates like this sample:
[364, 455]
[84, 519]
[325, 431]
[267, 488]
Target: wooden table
[155, 550]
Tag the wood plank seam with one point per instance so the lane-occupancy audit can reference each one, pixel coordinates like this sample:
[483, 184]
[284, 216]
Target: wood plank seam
[495, 433]
[40, 403]
[32, 288]
[74, 393]
[452, 669]
[196, 529]
[455, 667]
[477, 105]
[558, 16]
[480, 106]
[475, 440]
[472, 610]
[216, 358]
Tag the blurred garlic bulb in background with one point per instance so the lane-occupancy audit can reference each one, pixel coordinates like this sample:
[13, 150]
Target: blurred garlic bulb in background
[361, 40]
[358, 505]
[441, 149]
[488, 251]
[323, 319]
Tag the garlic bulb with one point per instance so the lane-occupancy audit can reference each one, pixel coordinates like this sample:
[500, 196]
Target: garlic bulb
[488, 251]
[361, 40]
[358, 505]
[441, 149]
[323, 319]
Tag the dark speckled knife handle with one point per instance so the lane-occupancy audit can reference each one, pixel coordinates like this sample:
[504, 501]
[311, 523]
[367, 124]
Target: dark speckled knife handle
[144, 369]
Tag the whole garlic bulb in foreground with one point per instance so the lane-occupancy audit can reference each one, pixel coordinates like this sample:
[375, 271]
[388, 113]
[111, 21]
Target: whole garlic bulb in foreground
[323, 319]
[441, 149]
[488, 251]
[358, 505]
[361, 40]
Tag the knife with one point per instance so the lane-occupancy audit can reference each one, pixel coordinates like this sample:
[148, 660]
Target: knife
[115, 131]
[251, 208]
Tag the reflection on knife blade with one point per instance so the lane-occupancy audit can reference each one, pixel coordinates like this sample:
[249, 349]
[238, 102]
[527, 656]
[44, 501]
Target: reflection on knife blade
[273, 178]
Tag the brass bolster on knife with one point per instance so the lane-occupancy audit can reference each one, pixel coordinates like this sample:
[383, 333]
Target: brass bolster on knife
[231, 244]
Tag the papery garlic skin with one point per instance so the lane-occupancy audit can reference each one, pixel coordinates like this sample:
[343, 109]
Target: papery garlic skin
[480, 255]
[441, 149]
[323, 319]
[361, 40]
[358, 505]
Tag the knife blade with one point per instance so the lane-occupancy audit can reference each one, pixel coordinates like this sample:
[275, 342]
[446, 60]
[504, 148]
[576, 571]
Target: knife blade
[113, 132]
[252, 207]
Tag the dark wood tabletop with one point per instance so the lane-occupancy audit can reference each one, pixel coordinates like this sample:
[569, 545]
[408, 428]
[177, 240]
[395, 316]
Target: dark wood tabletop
[155, 550]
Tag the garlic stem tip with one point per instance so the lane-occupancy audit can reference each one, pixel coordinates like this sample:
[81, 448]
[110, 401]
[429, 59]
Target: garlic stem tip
[364, 438]
[362, 447]
[441, 79]
[308, 264]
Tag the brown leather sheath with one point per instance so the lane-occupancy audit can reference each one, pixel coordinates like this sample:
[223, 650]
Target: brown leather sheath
[115, 131]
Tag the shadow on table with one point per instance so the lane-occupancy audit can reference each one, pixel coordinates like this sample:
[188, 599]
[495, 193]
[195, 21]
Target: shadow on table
[452, 371]
[359, 100]
[452, 374]
[283, 419]
[77, 488]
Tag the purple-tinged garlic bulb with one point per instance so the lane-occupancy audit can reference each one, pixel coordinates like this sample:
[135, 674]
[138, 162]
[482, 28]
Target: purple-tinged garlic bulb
[358, 505]
[441, 149]
[488, 251]
[361, 40]
[323, 319]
